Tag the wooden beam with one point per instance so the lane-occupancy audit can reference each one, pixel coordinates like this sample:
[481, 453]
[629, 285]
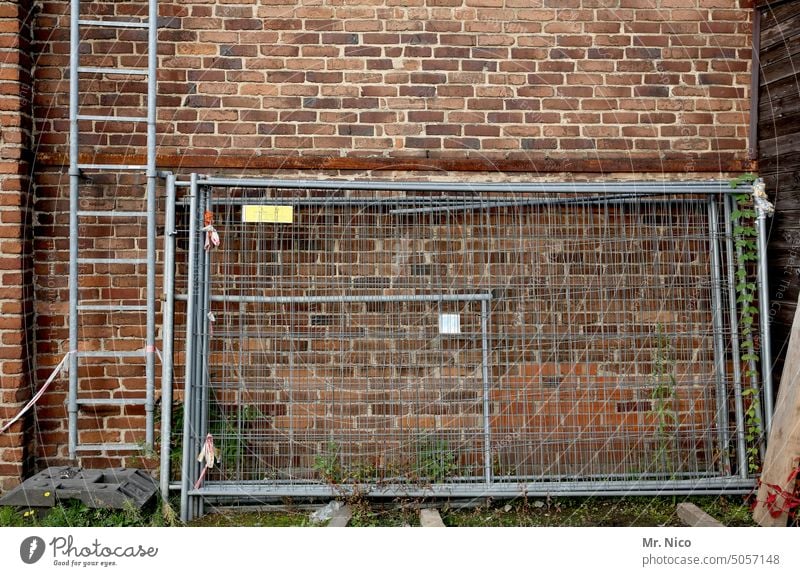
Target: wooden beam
[341, 517]
[430, 518]
[691, 515]
[783, 444]
[667, 162]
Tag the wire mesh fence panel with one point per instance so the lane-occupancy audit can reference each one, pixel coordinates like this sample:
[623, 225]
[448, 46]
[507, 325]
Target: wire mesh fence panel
[421, 339]
[366, 391]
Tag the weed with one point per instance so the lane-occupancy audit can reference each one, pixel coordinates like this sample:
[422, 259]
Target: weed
[328, 464]
[435, 460]
[11, 517]
[76, 514]
[663, 400]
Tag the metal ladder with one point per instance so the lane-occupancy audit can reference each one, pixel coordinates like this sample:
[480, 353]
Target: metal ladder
[76, 179]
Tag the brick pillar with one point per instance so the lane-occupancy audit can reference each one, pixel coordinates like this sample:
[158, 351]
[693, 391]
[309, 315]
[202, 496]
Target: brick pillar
[16, 268]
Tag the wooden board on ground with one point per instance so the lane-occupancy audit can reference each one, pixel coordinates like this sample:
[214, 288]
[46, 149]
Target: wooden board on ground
[341, 517]
[783, 443]
[691, 515]
[429, 518]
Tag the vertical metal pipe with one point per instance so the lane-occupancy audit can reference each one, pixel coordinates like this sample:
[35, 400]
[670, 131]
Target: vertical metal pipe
[199, 338]
[487, 435]
[167, 337]
[719, 346]
[150, 343]
[763, 303]
[74, 176]
[741, 446]
[188, 457]
[198, 370]
[205, 322]
[755, 85]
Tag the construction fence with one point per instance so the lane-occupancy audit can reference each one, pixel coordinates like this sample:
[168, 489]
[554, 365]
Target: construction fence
[457, 340]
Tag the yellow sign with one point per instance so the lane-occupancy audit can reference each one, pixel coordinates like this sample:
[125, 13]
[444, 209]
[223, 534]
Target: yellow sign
[268, 214]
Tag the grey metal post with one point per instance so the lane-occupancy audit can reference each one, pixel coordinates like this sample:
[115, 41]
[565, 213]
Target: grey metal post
[487, 433]
[763, 303]
[188, 457]
[741, 446]
[150, 342]
[205, 322]
[74, 176]
[719, 346]
[698, 187]
[345, 299]
[167, 337]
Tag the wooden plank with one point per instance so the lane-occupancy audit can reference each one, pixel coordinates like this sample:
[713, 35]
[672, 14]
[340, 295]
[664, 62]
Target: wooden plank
[781, 145]
[772, 111]
[779, 24]
[789, 124]
[779, 69]
[523, 161]
[770, 95]
[783, 182]
[787, 162]
[777, 7]
[341, 517]
[693, 516]
[783, 443]
[780, 52]
[429, 518]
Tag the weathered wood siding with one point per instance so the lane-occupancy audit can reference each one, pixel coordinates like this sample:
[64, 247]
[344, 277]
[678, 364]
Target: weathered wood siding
[779, 160]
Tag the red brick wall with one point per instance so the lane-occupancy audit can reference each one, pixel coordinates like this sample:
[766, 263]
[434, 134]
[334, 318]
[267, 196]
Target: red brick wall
[16, 274]
[493, 79]
[530, 85]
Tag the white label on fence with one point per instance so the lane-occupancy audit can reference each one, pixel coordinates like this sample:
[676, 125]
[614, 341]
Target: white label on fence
[267, 214]
[449, 324]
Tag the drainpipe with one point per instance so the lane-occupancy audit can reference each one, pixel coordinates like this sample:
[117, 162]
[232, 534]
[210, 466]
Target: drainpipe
[752, 145]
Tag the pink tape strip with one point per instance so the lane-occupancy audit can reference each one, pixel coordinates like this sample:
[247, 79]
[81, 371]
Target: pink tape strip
[38, 394]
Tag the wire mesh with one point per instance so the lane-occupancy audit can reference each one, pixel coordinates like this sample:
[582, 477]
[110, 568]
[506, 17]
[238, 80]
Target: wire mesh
[423, 338]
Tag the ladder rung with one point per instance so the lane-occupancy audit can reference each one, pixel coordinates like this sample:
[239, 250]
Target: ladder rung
[112, 307]
[110, 353]
[112, 260]
[107, 447]
[106, 70]
[112, 213]
[112, 118]
[112, 402]
[112, 167]
[113, 24]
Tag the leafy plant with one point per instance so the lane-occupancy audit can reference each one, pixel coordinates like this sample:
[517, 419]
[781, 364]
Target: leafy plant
[328, 464]
[435, 460]
[747, 178]
[226, 431]
[663, 397]
[745, 238]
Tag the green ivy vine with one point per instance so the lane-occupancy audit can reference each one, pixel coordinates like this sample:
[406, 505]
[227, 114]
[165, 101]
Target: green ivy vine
[745, 238]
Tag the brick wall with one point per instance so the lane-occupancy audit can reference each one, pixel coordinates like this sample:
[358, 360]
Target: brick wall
[536, 87]
[16, 274]
[496, 79]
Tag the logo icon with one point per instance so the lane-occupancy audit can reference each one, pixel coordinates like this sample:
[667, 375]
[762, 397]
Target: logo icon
[31, 550]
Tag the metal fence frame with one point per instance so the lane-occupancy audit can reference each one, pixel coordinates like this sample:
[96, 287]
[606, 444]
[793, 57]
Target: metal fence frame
[198, 298]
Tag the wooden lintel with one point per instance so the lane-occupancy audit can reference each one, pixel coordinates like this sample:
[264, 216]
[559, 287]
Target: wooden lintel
[667, 163]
